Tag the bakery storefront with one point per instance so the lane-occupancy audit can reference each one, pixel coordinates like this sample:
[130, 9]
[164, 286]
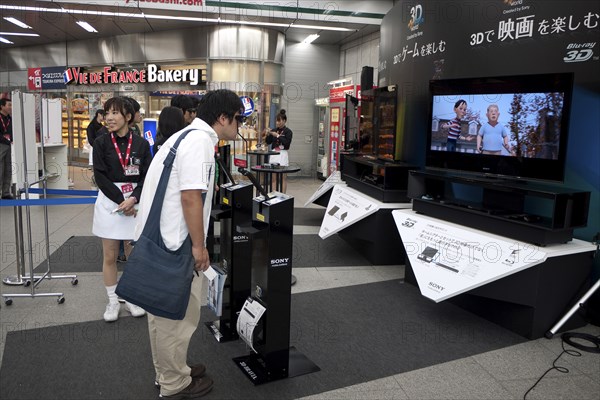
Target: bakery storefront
[246, 60]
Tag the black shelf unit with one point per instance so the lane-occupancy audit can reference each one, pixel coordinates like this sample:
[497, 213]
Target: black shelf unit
[532, 212]
[382, 180]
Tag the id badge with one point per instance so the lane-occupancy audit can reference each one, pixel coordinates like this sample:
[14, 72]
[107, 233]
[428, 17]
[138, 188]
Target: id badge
[126, 188]
[132, 170]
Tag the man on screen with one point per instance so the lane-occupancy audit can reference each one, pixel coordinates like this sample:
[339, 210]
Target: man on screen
[492, 135]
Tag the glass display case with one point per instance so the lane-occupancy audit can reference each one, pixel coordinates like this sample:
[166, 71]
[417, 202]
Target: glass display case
[366, 144]
[385, 119]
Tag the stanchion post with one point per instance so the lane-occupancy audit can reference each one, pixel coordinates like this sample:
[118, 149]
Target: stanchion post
[573, 310]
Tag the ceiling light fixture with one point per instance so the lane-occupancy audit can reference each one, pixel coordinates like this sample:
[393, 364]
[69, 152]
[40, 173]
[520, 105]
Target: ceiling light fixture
[323, 28]
[87, 26]
[169, 17]
[18, 34]
[5, 40]
[310, 38]
[18, 23]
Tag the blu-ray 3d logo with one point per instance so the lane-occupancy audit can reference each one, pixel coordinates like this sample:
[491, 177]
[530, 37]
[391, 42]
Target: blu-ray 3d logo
[579, 52]
[416, 17]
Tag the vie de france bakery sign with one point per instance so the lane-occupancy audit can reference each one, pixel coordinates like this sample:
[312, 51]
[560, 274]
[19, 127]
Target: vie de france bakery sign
[151, 74]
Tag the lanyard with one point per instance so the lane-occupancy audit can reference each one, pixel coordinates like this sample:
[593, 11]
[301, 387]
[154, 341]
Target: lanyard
[5, 124]
[123, 162]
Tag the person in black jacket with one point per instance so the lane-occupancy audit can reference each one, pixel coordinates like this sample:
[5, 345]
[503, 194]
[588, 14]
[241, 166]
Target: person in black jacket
[6, 139]
[280, 140]
[121, 160]
[170, 121]
[137, 116]
[187, 107]
[93, 130]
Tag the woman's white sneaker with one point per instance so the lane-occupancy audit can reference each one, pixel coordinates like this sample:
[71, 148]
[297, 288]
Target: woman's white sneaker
[112, 312]
[134, 310]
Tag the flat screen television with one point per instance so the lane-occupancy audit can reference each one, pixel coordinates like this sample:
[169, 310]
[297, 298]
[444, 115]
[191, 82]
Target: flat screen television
[510, 126]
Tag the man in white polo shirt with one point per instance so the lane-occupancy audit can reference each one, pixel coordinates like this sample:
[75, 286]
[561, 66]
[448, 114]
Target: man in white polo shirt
[186, 212]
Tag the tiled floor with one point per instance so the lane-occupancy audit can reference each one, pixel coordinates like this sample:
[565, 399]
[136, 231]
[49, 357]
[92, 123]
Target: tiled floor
[501, 374]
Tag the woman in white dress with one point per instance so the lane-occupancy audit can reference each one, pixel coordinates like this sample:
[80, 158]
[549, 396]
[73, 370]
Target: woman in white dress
[280, 140]
[121, 160]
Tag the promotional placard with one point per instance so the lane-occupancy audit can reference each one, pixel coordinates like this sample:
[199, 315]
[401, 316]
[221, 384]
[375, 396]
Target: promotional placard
[448, 259]
[45, 78]
[334, 138]
[346, 206]
[150, 126]
[331, 181]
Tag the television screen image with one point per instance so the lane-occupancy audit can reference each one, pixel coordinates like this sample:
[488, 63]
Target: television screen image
[513, 126]
[503, 124]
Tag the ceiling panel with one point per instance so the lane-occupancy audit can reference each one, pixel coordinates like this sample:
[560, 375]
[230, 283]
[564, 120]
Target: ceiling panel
[59, 27]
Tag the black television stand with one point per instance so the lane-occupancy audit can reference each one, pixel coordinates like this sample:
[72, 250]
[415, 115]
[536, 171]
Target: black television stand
[532, 212]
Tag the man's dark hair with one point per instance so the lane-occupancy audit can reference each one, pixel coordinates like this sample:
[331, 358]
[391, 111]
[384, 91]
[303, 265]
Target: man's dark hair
[134, 103]
[98, 112]
[4, 101]
[183, 102]
[217, 103]
[195, 101]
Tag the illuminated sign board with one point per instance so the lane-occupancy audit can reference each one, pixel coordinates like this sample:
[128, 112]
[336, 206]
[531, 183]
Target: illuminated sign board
[151, 74]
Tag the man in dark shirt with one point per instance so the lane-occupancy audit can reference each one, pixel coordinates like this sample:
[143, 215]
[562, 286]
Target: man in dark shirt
[137, 118]
[6, 139]
[187, 106]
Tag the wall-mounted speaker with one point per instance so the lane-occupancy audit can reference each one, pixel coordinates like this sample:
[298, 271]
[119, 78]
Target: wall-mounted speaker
[366, 78]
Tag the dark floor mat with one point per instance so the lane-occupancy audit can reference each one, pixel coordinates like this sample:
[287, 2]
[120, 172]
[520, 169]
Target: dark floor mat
[312, 251]
[84, 254]
[309, 216]
[354, 334]
[77, 254]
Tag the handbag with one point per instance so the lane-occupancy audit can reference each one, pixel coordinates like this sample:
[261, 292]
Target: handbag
[87, 147]
[155, 278]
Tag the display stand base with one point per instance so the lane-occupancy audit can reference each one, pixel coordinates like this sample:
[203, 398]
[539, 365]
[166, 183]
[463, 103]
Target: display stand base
[221, 334]
[13, 281]
[253, 367]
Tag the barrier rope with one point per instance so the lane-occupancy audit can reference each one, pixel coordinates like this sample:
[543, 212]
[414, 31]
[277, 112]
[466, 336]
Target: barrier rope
[90, 198]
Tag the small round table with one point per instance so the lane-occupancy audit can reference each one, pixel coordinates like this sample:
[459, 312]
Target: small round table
[261, 155]
[264, 176]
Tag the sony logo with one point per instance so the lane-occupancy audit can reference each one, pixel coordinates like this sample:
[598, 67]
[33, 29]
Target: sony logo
[249, 371]
[216, 332]
[240, 238]
[279, 262]
[436, 286]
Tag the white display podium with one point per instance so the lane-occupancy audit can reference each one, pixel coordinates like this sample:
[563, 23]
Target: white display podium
[521, 287]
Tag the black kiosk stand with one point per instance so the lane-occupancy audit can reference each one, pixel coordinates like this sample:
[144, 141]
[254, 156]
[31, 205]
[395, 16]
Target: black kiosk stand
[271, 235]
[234, 212]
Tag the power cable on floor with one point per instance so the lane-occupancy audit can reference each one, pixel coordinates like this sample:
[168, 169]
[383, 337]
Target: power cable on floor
[567, 338]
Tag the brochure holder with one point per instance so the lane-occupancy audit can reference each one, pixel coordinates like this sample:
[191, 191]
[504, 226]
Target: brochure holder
[235, 203]
[271, 234]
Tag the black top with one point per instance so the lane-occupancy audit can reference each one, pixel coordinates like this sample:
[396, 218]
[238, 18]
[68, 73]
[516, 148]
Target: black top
[94, 130]
[6, 129]
[136, 129]
[108, 168]
[159, 142]
[285, 138]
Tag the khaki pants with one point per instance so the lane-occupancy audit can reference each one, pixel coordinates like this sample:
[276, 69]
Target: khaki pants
[169, 341]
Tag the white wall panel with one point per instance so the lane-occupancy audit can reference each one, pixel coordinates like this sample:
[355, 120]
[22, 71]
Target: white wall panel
[308, 68]
[357, 54]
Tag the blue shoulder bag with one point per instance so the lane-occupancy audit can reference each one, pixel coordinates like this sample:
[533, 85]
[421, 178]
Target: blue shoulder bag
[155, 278]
